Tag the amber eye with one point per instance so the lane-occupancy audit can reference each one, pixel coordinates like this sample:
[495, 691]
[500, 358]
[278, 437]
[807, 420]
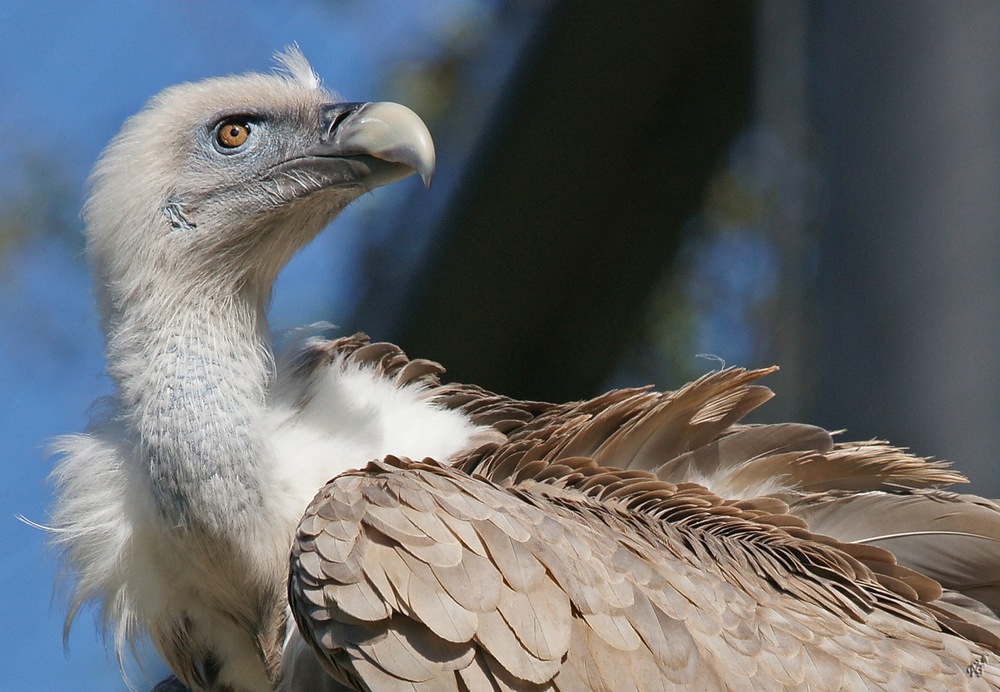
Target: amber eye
[232, 133]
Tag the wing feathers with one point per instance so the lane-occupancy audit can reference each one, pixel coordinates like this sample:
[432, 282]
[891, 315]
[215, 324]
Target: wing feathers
[644, 540]
[575, 584]
[953, 539]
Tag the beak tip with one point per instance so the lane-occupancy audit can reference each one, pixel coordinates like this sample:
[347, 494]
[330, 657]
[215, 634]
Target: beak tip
[427, 175]
[417, 152]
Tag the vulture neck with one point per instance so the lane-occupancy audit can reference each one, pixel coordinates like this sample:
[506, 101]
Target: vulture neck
[192, 369]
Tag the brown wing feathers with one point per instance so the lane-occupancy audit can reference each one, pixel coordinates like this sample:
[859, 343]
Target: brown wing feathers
[552, 584]
[578, 553]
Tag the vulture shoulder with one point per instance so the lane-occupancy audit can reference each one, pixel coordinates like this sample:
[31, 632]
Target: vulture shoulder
[643, 540]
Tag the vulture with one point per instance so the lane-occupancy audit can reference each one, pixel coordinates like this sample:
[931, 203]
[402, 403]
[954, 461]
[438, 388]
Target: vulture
[334, 515]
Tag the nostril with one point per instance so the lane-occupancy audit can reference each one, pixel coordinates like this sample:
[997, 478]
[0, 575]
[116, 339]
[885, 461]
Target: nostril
[336, 114]
[341, 117]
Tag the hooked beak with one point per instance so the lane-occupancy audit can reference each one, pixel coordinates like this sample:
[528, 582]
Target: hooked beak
[363, 145]
[386, 131]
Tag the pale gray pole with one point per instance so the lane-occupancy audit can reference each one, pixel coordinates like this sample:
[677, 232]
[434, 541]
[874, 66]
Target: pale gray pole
[909, 113]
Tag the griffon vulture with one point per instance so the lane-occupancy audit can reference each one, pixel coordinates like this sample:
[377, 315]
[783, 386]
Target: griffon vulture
[336, 517]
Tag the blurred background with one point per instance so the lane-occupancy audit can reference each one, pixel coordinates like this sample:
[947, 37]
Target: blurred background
[627, 193]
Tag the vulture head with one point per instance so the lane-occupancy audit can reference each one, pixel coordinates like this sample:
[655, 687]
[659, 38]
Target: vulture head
[219, 182]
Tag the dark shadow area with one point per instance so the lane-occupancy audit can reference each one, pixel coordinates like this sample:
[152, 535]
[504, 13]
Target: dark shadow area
[576, 201]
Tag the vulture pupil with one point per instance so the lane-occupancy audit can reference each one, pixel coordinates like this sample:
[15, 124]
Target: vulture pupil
[233, 134]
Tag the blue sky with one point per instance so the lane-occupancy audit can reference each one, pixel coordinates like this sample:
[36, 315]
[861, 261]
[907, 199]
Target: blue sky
[70, 73]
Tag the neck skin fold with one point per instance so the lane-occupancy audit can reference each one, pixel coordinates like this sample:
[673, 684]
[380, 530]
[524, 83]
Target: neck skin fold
[192, 388]
[188, 347]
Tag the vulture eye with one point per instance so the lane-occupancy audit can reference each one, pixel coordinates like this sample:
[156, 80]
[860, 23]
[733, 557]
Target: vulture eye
[232, 134]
